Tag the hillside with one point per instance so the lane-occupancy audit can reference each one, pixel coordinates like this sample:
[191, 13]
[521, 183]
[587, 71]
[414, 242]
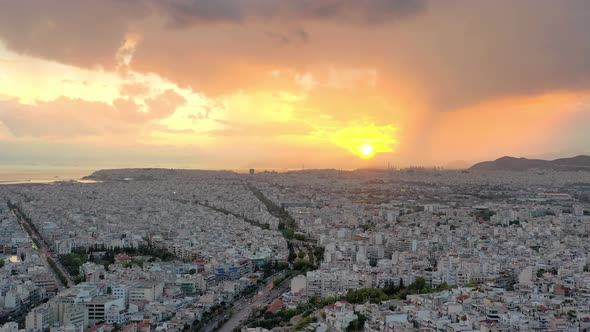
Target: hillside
[579, 163]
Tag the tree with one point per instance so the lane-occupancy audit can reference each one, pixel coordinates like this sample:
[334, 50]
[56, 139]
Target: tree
[442, 287]
[374, 295]
[292, 254]
[390, 288]
[288, 233]
[373, 262]
[278, 281]
[419, 284]
[299, 236]
[572, 314]
[302, 265]
[357, 324]
[328, 300]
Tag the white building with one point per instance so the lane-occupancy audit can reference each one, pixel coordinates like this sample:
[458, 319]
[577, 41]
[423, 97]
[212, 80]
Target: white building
[340, 315]
[121, 292]
[525, 278]
[146, 291]
[117, 315]
[9, 327]
[38, 319]
[298, 284]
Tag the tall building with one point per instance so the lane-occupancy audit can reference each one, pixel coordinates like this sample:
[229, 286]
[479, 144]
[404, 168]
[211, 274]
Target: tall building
[121, 292]
[100, 306]
[146, 291]
[68, 313]
[38, 319]
[578, 210]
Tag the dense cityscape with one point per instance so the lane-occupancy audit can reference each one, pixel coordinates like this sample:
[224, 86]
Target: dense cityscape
[318, 250]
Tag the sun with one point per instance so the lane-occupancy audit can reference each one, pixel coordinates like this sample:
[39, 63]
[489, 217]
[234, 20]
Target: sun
[366, 150]
[365, 140]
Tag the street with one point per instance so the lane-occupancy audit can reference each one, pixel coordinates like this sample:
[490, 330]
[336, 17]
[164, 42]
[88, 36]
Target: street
[244, 306]
[43, 250]
[258, 301]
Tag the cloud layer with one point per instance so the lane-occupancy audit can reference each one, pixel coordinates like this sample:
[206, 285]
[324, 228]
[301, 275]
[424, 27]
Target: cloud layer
[458, 51]
[70, 118]
[232, 72]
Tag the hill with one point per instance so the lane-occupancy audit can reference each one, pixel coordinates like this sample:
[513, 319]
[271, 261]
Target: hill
[579, 163]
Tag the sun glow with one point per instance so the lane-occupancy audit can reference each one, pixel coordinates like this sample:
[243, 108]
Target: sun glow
[366, 150]
[366, 140]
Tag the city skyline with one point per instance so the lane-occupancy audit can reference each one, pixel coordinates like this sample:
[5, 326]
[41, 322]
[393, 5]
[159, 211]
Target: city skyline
[278, 84]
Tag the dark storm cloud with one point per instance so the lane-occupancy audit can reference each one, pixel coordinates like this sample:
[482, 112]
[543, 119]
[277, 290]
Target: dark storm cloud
[456, 52]
[297, 35]
[88, 33]
[183, 12]
[85, 33]
[464, 52]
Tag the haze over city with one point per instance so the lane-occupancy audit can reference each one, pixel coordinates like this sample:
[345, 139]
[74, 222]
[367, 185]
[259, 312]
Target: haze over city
[277, 84]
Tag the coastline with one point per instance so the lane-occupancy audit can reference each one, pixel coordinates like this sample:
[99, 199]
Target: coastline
[13, 175]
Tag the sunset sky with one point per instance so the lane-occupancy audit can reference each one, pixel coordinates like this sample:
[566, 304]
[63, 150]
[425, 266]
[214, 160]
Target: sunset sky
[277, 84]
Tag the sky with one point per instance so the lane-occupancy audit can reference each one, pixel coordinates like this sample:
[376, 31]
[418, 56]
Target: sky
[279, 84]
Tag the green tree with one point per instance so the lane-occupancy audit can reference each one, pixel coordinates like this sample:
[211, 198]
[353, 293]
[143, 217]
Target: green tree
[299, 236]
[419, 284]
[357, 324]
[373, 262]
[302, 265]
[278, 281]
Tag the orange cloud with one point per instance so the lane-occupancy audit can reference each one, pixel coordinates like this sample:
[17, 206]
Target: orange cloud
[72, 118]
[319, 78]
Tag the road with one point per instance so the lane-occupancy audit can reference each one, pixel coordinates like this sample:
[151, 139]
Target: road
[244, 306]
[43, 250]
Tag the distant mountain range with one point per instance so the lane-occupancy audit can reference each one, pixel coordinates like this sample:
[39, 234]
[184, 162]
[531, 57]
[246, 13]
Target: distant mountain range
[579, 163]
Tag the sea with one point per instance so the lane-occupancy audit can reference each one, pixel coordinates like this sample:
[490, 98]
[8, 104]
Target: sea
[10, 174]
[31, 174]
